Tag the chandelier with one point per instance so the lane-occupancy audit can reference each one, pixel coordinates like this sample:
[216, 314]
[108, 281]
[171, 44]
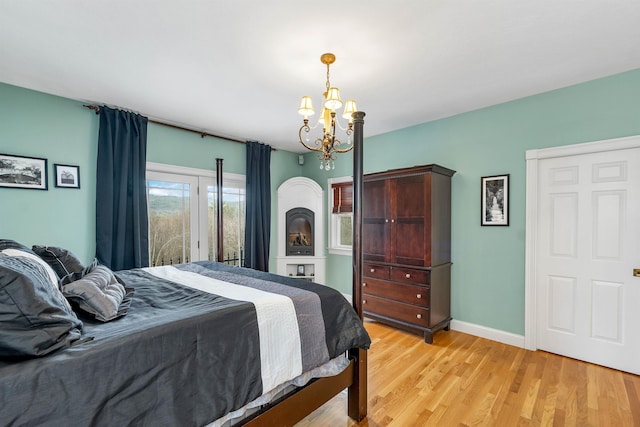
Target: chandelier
[327, 144]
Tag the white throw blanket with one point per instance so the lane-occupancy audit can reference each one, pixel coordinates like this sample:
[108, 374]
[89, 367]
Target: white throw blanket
[280, 354]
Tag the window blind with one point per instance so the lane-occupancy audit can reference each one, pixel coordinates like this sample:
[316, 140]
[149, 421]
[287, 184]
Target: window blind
[342, 197]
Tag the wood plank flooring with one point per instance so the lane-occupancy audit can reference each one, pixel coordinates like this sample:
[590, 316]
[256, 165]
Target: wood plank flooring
[463, 380]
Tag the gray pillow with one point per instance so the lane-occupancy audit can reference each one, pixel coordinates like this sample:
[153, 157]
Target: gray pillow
[61, 260]
[98, 293]
[35, 318]
[12, 244]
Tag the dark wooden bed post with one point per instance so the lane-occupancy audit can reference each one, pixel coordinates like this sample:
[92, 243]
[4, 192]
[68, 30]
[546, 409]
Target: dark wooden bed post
[219, 243]
[295, 406]
[357, 402]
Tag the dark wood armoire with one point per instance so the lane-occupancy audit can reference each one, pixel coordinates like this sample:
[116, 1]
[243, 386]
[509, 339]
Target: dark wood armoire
[406, 248]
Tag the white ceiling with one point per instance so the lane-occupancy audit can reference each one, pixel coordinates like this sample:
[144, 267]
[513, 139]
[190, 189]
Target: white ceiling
[238, 68]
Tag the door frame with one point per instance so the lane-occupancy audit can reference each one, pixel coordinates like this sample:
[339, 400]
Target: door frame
[531, 213]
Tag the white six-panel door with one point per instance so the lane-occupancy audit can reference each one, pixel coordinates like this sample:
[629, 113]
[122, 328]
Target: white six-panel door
[587, 299]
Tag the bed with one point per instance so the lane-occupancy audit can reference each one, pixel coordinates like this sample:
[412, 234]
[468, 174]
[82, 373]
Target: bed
[197, 341]
[183, 346]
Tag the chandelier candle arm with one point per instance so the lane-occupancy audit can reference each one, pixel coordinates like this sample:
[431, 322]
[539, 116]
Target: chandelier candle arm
[327, 144]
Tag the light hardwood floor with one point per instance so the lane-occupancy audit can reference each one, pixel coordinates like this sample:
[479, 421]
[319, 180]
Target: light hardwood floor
[463, 380]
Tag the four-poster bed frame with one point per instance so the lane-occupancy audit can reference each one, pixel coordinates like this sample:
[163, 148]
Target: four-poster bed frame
[300, 403]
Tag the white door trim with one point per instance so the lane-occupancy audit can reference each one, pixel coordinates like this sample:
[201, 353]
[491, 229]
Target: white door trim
[532, 158]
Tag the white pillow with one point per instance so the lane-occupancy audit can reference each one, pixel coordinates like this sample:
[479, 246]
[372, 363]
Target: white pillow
[52, 274]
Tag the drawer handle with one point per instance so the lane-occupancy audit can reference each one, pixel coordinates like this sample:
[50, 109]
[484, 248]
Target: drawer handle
[386, 220]
[373, 270]
[419, 316]
[364, 301]
[393, 220]
[408, 276]
[419, 296]
[364, 284]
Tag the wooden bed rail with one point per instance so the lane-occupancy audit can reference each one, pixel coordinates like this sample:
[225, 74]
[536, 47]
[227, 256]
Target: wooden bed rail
[301, 402]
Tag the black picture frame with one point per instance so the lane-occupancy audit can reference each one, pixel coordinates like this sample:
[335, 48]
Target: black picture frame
[23, 172]
[300, 271]
[494, 200]
[67, 176]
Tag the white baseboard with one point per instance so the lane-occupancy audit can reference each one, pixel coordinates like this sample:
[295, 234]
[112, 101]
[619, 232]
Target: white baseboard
[488, 333]
[480, 331]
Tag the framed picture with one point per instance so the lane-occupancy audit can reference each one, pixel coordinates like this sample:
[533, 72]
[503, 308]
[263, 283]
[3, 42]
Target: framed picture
[300, 269]
[23, 172]
[495, 200]
[67, 176]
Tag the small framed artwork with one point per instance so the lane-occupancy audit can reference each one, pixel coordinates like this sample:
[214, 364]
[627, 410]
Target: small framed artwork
[495, 200]
[67, 176]
[300, 269]
[23, 172]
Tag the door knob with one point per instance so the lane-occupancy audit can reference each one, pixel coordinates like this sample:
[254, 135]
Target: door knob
[636, 272]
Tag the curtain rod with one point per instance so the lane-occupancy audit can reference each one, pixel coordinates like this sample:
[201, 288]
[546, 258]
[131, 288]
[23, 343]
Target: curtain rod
[202, 134]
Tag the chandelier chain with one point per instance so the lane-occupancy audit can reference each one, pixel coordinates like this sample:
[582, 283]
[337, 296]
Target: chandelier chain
[328, 84]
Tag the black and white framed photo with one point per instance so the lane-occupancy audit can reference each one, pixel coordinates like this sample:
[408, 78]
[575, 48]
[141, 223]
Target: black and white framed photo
[23, 172]
[301, 270]
[495, 200]
[67, 176]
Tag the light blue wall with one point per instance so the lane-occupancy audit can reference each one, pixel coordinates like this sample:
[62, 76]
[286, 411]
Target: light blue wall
[488, 271]
[488, 262]
[63, 131]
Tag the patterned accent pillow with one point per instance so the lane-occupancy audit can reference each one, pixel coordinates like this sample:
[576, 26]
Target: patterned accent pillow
[100, 293]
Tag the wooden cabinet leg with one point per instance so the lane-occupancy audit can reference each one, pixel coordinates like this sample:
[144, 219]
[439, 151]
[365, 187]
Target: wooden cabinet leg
[428, 337]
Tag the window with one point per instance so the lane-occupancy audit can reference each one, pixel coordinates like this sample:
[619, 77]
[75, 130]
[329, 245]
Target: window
[233, 217]
[183, 216]
[340, 215]
[172, 218]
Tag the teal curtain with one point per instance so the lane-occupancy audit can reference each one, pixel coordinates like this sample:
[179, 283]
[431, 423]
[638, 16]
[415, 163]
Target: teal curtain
[258, 210]
[122, 223]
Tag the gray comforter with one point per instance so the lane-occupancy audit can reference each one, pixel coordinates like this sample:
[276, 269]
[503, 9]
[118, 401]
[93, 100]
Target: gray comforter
[180, 357]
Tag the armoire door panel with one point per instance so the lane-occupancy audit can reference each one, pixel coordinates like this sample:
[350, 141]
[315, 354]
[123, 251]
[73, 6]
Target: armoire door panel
[409, 243]
[374, 200]
[374, 247]
[410, 196]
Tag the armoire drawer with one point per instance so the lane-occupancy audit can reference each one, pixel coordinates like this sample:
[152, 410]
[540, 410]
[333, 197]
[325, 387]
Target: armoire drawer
[396, 310]
[410, 294]
[409, 275]
[375, 270]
